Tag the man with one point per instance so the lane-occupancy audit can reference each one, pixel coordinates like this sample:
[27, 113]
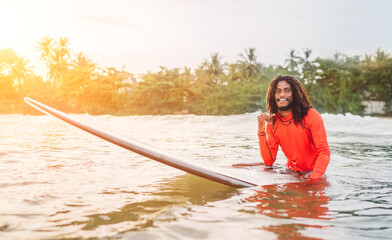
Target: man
[295, 126]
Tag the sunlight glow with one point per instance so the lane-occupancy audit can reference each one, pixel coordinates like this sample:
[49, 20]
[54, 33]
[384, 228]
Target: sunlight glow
[12, 26]
[19, 29]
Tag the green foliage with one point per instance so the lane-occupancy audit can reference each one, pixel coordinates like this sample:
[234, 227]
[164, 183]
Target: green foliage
[248, 64]
[336, 85]
[164, 92]
[233, 98]
[74, 83]
[377, 76]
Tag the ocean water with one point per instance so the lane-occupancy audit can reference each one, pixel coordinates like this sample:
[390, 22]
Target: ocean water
[58, 182]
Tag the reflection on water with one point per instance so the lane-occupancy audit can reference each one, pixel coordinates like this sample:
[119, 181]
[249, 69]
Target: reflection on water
[195, 190]
[179, 191]
[297, 201]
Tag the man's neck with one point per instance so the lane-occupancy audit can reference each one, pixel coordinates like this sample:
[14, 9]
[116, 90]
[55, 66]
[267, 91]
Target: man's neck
[284, 113]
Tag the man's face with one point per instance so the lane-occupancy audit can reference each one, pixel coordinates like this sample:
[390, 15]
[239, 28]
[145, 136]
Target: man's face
[283, 96]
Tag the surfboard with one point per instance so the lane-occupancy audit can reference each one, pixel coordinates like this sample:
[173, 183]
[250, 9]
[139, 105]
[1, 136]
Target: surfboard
[144, 149]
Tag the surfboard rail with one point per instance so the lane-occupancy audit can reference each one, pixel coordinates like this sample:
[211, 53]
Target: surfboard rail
[142, 149]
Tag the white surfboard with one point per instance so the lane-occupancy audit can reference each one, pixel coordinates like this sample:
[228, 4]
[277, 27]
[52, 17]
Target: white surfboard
[143, 149]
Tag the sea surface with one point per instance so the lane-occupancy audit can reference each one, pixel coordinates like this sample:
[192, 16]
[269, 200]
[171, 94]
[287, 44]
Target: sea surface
[58, 182]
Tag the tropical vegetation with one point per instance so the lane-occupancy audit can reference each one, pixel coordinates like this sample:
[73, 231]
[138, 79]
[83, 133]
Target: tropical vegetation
[76, 84]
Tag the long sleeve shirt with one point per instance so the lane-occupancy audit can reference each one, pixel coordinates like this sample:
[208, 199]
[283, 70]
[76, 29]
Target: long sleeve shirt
[305, 146]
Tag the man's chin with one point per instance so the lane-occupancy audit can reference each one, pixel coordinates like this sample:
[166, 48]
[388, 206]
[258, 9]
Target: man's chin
[282, 109]
[285, 108]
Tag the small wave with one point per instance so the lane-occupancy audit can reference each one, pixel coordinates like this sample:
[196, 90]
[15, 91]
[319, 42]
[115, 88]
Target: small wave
[357, 124]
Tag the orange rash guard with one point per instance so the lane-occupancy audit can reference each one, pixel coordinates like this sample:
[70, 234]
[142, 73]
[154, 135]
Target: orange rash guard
[305, 147]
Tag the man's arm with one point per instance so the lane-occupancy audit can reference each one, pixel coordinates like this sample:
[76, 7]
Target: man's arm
[267, 142]
[268, 150]
[268, 146]
[319, 134]
[270, 155]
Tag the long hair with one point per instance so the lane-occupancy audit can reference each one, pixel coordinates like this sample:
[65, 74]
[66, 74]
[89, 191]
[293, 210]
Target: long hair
[300, 101]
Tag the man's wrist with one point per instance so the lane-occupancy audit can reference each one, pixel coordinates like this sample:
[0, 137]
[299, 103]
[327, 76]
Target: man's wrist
[261, 133]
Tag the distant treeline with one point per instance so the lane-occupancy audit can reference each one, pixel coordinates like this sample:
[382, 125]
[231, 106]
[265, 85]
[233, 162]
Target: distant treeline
[75, 84]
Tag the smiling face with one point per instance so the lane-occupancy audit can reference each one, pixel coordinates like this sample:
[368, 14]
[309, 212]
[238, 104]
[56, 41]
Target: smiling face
[283, 96]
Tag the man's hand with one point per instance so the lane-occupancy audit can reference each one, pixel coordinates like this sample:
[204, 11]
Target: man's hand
[239, 165]
[262, 119]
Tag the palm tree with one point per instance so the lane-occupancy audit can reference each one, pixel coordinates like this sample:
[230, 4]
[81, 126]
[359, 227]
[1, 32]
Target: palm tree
[306, 63]
[292, 62]
[61, 54]
[21, 71]
[45, 46]
[249, 64]
[307, 66]
[56, 57]
[213, 67]
[83, 62]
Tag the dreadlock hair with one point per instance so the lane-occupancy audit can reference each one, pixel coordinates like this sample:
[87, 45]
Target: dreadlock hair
[300, 101]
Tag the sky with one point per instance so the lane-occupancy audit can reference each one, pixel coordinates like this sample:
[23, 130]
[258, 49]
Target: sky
[140, 36]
